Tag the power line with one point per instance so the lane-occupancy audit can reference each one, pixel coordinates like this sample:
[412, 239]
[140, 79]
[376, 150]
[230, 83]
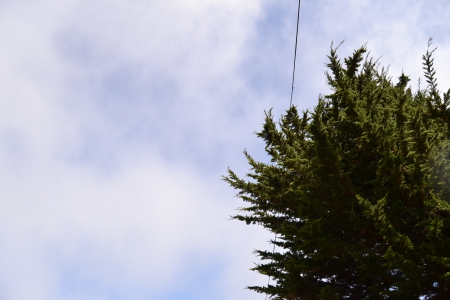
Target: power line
[295, 52]
[292, 92]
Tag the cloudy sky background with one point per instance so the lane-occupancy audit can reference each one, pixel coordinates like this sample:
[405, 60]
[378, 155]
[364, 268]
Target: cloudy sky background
[118, 118]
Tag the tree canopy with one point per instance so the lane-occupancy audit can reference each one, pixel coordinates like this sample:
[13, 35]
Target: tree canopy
[357, 190]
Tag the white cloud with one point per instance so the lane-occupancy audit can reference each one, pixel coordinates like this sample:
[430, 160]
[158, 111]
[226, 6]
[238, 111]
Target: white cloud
[137, 226]
[64, 220]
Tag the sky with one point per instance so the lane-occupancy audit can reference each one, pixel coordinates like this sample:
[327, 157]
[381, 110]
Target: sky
[118, 119]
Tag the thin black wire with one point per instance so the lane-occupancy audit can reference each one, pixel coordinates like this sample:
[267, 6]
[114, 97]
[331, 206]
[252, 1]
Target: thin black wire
[292, 92]
[295, 52]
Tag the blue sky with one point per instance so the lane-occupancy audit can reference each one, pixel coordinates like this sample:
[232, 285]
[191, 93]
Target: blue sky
[118, 118]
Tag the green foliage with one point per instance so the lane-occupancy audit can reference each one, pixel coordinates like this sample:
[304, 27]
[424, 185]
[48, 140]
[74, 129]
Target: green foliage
[358, 189]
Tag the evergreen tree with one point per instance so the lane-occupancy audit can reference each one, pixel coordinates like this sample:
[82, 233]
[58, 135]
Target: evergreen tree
[357, 191]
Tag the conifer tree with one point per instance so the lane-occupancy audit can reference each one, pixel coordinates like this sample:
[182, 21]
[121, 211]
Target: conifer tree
[358, 189]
